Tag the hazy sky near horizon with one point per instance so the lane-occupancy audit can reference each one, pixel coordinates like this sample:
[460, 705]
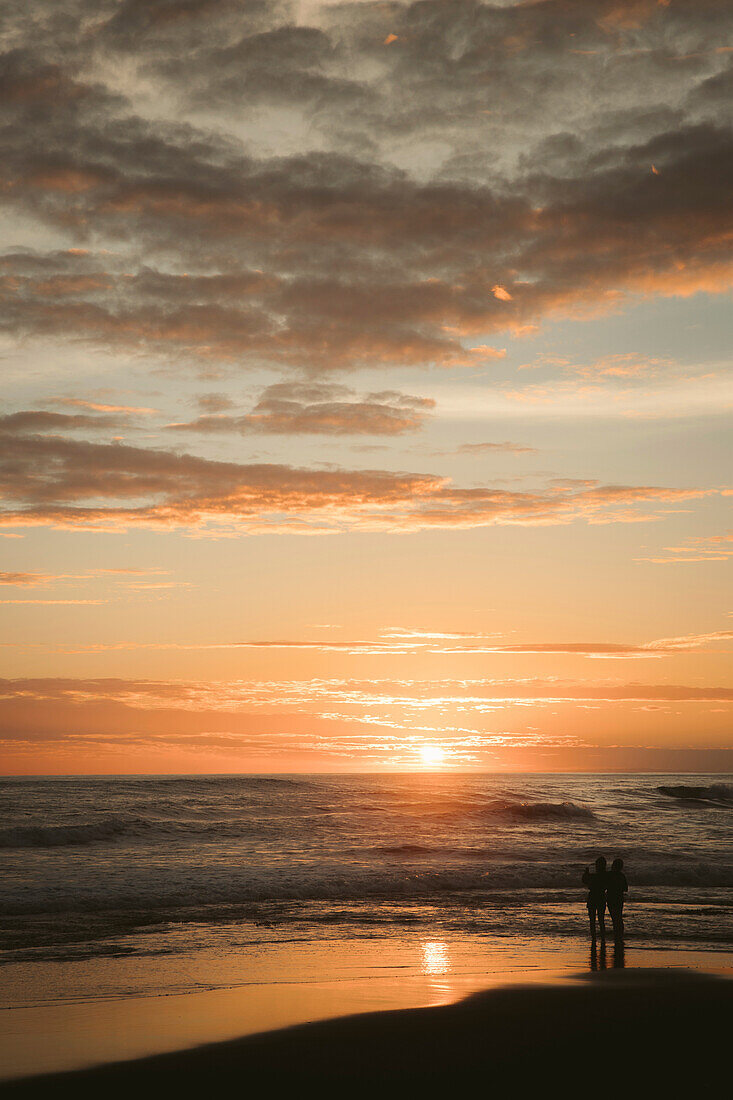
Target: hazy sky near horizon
[366, 385]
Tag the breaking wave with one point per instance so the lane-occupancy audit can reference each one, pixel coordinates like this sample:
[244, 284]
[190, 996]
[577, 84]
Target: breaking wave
[541, 811]
[719, 793]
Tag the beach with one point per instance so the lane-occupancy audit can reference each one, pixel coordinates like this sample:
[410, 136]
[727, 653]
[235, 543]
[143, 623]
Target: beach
[632, 1029]
[148, 918]
[302, 985]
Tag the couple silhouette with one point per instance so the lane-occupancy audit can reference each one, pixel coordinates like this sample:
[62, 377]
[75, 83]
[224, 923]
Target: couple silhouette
[606, 888]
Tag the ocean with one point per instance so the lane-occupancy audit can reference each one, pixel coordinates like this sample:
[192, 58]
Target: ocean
[150, 865]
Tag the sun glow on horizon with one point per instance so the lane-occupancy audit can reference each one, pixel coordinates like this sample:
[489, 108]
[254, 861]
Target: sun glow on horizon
[375, 459]
[432, 755]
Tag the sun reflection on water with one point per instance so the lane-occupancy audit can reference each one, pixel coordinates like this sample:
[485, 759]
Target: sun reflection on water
[435, 957]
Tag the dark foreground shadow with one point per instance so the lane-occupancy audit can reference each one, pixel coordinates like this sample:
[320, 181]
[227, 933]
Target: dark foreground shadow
[670, 1030]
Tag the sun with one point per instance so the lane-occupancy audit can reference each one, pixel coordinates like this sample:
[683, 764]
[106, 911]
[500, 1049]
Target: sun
[431, 755]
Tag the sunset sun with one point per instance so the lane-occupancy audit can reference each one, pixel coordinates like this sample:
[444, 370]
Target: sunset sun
[432, 755]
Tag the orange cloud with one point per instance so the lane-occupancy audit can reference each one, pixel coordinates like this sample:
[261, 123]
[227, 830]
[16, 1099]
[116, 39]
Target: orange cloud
[51, 602]
[701, 549]
[35, 580]
[60, 482]
[26, 579]
[339, 723]
[100, 407]
[396, 642]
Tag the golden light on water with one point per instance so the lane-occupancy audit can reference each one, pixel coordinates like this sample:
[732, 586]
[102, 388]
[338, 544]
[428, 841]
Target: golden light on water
[435, 957]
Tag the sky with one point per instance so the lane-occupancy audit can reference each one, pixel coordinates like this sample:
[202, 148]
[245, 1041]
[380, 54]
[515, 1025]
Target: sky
[366, 389]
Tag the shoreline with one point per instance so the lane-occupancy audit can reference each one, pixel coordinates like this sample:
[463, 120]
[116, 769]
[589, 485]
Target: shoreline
[71, 1036]
[666, 1026]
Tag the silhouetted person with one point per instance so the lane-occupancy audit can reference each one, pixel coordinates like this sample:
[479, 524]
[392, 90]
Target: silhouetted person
[596, 900]
[616, 888]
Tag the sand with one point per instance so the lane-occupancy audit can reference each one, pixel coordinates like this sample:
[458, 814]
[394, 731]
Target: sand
[609, 1032]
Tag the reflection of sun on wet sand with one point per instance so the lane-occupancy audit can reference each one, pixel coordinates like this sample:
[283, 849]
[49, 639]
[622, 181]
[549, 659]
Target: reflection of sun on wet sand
[435, 957]
[656, 1028]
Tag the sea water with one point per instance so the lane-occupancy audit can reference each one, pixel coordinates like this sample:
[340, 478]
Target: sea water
[130, 866]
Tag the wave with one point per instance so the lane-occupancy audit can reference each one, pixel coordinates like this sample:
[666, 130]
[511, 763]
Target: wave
[508, 806]
[407, 849]
[715, 792]
[540, 811]
[255, 822]
[406, 881]
[60, 836]
[151, 830]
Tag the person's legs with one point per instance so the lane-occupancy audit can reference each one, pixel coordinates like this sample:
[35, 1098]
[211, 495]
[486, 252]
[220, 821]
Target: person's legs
[616, 910]
[613, 910]
[602, 919]
[592, 919]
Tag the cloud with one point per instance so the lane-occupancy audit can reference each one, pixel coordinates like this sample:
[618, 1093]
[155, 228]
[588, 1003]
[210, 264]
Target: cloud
[52, 602]
[229, 696]
[624, 365]
[611, 650]
[486, 448]
[213, 402]
[381, 721]
[26, 579]
[705, 548]
[302, 408]
[38, 421]
[396, 642]
[354, 206]
[578, 254]
[102, 407]
[50, 480]
[35, 579]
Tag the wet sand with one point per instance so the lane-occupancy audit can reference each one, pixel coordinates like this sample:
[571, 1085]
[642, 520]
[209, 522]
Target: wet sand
[62, 1015]
[609, 1031]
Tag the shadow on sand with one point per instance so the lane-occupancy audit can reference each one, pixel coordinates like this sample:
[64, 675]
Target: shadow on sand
[669, 1029]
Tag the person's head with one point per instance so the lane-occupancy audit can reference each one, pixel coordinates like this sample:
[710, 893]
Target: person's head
[601, 863]
[617, 865]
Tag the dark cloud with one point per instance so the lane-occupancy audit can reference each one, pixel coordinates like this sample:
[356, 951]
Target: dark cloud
[284, 67]
[213, 402]
[430, 257]
[302, 408]
[31, 420]
[161, 26]
[56, 481]
[357, 244]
